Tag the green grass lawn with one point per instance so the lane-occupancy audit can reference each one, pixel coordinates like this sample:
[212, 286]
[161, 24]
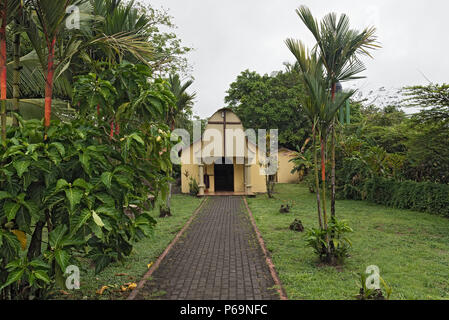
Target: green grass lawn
[145, 251]
[410, 248]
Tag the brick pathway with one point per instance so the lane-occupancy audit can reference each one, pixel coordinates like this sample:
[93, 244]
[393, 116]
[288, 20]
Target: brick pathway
[218, 257]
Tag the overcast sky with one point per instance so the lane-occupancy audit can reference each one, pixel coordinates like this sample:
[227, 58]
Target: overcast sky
[230, 36]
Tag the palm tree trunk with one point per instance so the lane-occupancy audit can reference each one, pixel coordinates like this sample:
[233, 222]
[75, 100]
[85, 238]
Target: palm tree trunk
[16, 72]
[49, 84]
[323, 180]
[317, 180]
[16, 78]
[333, 160]
[111, 133]
[4, 14]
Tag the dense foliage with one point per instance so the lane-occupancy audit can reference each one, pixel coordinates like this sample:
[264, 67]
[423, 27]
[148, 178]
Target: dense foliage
[420, 196]
[271, 102]
[410, 152]
[80, 194]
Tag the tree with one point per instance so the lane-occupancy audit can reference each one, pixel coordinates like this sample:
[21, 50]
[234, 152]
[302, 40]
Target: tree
[270, 102]
[338, 47]
[321, 106]
[433, 98]
[177, 113]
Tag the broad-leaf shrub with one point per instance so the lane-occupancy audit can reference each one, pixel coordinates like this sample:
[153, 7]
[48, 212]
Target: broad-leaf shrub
[80, 194]
[336, 233]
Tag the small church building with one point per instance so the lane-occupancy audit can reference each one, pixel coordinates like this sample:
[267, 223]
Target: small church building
[225, 161]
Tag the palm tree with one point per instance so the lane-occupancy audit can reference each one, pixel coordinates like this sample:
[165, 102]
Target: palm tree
[339, 48]
[73, 48]
[51, 16]
[321, 106]
[176, 114]
[184, 100]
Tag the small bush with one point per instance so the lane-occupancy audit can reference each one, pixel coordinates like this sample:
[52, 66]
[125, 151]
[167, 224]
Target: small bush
[339, 243]
[193, 187]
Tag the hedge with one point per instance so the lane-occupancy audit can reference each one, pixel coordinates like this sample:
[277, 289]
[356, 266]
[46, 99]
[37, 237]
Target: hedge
[420, 196]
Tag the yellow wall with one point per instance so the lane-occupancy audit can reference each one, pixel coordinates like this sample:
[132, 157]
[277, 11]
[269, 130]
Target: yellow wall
[191, 168]
[285, 167]
[239, 176]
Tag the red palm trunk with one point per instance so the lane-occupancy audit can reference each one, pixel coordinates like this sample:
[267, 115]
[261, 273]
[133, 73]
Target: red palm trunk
[111, 134]
[323, 164]
[49, 82]
[3, 67]
[117, 128]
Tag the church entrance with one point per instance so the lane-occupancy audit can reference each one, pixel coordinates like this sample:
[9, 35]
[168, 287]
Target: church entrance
[224, 176]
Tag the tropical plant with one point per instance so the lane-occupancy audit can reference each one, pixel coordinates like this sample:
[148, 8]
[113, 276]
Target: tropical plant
[321, 107]
[87, 192]
[338, 47]
[182, 110]
[193, 187]
[302, 160]
[318, 239]
[366, 293]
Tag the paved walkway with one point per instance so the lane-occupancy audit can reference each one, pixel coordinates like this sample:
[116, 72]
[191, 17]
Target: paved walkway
[218, 257]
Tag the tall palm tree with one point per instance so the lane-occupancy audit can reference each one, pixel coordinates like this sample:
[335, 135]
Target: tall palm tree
[339, 48]
[51, 16]
[321, 106]
[177, 113]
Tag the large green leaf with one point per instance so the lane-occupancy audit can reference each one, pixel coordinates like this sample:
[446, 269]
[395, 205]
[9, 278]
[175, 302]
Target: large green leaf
[42, 275]
[5, 195]
[14, 276]
[62, 257]
[10, 208]
[106, 178]
[21, 167]
[57, 235]
[74, 196]
[78, 220]
[97, 219]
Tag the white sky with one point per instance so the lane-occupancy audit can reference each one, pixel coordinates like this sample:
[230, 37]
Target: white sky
[230, 36]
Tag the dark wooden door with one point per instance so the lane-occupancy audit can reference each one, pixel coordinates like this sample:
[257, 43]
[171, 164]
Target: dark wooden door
[224, 177]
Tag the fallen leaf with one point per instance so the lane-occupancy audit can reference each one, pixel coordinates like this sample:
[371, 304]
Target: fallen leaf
[103, 288]
[149, 265]
[132, 286]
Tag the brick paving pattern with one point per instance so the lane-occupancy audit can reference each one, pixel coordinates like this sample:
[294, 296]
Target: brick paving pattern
[217, 258]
